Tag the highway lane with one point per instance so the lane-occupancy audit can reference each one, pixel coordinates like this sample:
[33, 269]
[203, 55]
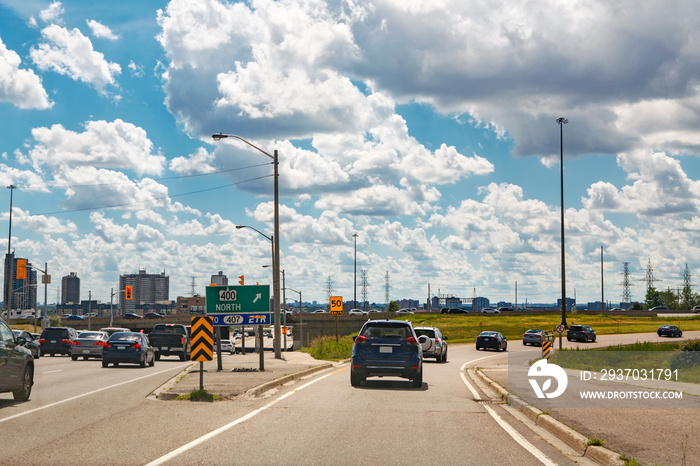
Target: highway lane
[385, 421]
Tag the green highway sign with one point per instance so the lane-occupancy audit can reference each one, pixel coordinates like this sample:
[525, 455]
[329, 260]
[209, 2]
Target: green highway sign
[238, 298]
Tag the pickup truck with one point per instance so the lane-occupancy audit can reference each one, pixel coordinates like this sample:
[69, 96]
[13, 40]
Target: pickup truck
[170, 340]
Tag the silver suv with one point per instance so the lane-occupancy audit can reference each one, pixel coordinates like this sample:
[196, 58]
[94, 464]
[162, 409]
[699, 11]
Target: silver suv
[433, 343]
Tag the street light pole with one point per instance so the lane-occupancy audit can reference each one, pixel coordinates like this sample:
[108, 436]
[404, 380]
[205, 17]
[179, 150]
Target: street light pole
[276, 236]
[562, 122]
[354, 281]
[8, 268]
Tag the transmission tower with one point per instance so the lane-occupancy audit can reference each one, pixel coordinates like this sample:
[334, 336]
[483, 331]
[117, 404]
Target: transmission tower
[686, 278]
[365, 285]
[650, 277]
[329, 284]
[193, 287]
[626, 295]
[386, 287]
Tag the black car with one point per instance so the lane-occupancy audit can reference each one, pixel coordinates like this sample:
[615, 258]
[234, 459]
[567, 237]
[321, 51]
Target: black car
[132, 316]
[456, 310]
[57, 340]
[386, 348]
[494, 340]
[669, 331]
[16, 364]
[32, 344]
[153, 315]
[128, 347]
[580, 333]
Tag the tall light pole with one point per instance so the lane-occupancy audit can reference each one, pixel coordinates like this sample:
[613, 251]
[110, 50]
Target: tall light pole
[276, 236]
[301, 322]
[562, 122]
[354, 281]
[8, 268]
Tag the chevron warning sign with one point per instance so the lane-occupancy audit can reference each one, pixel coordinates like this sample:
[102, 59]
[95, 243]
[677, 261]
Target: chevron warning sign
[202, 338]
[546, 349]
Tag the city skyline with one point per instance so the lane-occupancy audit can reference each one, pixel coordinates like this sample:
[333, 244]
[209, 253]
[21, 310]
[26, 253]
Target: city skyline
[428, 131]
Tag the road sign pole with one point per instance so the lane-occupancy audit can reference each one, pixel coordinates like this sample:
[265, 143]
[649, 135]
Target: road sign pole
[336, 329]
[262, 348]
[219, 358]
[201, 375]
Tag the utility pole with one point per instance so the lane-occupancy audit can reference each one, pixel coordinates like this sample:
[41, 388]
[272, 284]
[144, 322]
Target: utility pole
[8, 268]
[602, 283]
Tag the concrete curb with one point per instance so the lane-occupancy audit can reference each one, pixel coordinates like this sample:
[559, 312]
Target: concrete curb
[286, 379]
[575, 440]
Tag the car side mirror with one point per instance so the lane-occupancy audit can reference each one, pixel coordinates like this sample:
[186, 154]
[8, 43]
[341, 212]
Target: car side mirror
[353, 338]
[21, 341]
[444, 337]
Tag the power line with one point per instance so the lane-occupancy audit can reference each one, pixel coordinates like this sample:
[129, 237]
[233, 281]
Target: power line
[124, 204]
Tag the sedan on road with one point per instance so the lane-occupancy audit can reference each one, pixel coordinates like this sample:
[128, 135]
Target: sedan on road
[132, 316]
[32, 342]
[386, 348]
[494, 340]
[128, 347]
[534, 337]
[357, 312]
[88, 345]
[669, 331]
[17, 365]
[580, 333]
[490, 310]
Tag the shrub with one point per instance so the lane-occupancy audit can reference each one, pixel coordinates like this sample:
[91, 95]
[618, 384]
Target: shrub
[687, 356]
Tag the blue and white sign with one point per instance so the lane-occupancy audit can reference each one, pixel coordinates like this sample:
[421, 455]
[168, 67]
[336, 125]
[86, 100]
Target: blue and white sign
[242, 318]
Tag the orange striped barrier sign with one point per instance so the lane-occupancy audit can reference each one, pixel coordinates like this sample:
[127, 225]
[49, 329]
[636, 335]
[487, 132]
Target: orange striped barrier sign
[202, 334]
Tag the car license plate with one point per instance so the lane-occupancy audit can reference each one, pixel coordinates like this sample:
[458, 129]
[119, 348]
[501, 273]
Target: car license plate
[385, 349]
[164, 348]
[86, 351]
[53, 341]
[121, 347]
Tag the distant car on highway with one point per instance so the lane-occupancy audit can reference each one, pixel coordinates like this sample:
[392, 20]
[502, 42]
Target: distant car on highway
[32, 343]
[75, 317]
[669, 331]
[404, 312]
[153, 315]
[696, 309]
[616, 309]
[17, 368]
[580, 333]
[132, 316]
[534, 337]
[659, 308]
[386, 348]
[505, 309]
[494, 340]
[128, 347]
[490, 310]
[357, 312]
[433, 343]
[88, 345]
[227, 346]
[456, 310]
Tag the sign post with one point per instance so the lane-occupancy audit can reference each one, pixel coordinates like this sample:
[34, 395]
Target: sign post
[559, 329]
[336, 310]
[240, 305]
[202, 343]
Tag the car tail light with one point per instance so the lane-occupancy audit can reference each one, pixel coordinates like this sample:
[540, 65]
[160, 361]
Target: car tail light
[361, 339]
[411, 341]
[108, 344]
[42, 340]
[76, 342]
[65, 341]
[182, 340]
[538, 335]
[99, 343]
[136, 345]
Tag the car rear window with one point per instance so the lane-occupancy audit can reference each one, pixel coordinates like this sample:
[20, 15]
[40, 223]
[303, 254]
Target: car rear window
[386, 330]
[576, 328]
[124, 337]
[424, 331]
[168, 329]
[533, 331]
[54, 333]
[90, 335]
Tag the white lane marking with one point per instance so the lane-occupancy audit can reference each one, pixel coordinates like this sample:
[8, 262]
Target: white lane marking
[533, 450]
[87, 394]
[234, 423]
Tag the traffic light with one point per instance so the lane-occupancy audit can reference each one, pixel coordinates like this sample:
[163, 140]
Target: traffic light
[128, 293]
[241, 277]
[21, 269]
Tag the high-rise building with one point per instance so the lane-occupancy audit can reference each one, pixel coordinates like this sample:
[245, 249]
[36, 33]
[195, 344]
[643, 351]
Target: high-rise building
[22, 290]
[219, 280]
[146, 288]
[70, 289]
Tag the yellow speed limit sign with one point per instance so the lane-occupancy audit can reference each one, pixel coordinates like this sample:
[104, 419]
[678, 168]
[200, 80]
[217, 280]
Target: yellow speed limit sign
[336, 305]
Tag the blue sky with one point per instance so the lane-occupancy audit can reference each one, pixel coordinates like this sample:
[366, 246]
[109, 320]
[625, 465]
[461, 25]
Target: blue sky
[427, 128]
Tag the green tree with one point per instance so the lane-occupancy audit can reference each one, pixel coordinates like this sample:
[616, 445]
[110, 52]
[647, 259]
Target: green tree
[393, 307]
[670, 299]
[653, 298]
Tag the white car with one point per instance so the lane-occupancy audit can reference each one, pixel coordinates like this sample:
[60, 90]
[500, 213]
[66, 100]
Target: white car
[357, 312]
[490, 310]
[227, 346]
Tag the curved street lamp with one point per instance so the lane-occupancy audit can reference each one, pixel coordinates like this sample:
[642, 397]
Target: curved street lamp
[562, 122]
[275, 241]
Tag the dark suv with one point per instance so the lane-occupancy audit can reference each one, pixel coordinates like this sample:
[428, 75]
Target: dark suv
[57, 340]
[16, 365]
[580, 333]
[387, 348]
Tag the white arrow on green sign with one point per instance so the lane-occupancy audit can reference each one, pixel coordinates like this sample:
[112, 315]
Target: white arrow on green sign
[238, 298]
